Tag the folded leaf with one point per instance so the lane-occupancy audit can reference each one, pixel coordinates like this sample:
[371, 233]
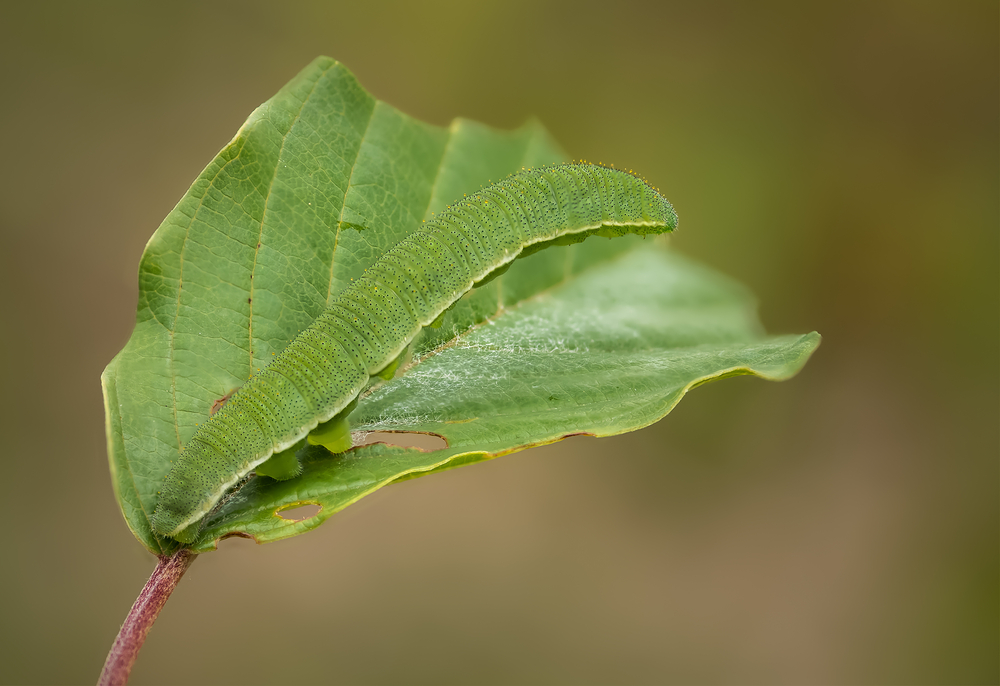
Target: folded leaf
[603, 337]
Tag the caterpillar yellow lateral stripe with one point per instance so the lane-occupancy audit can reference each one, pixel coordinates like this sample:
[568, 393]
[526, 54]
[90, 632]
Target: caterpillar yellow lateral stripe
[310, 387]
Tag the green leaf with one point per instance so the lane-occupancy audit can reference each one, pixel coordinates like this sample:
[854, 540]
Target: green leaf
[600, 338]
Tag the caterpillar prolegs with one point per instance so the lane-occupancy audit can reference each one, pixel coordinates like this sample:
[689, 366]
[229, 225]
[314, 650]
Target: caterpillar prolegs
[310, 387]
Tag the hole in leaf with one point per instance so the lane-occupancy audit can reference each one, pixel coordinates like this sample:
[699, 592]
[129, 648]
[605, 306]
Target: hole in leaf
[234, 536]
[299, 513]
[217, 405]
[406, 439]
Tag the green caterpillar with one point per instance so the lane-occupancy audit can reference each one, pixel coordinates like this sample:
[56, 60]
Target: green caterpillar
[309, 389]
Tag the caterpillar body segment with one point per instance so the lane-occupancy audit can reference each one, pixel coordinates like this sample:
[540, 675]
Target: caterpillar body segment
[367, 328]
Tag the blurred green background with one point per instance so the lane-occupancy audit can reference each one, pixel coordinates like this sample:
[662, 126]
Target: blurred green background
[839, 158]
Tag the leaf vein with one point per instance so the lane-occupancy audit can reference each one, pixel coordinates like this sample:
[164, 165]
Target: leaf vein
[343, 204]
[263, 216]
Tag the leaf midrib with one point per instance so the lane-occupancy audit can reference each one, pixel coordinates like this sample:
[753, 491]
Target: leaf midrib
[263, 218]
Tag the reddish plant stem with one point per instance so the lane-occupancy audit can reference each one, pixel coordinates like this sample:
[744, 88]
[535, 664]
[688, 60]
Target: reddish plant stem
[161, 584]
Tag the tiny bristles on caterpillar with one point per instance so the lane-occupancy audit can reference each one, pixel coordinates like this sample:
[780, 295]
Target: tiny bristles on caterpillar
[308, 389]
